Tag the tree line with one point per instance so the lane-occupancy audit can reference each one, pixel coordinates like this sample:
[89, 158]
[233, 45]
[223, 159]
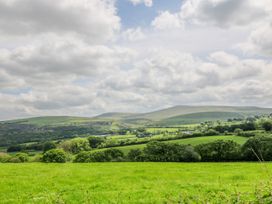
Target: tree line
[255, 149]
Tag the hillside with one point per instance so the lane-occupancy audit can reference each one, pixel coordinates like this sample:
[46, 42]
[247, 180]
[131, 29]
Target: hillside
[184, 110]
[194, 118]
[61, 127]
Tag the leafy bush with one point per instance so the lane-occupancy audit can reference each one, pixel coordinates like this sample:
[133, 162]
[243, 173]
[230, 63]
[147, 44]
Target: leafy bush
[55, 156]
[135, 155]
[109, 155]
[219, 151]
[4, 157]
[94, 142]
[75, 145]
[22, 157]
[166, 152]
[267, 125]
[49, 145]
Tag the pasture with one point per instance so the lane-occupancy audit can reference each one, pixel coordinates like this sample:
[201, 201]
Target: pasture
[192, 141]
[133, 182]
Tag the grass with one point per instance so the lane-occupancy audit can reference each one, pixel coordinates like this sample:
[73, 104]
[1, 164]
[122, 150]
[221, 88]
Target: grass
[130, 182]
[200, 117]
[192, 141]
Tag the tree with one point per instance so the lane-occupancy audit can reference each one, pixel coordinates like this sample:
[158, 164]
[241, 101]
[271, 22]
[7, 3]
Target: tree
[167, 152]
[135, 155]
[219, 150]
[94, 142]
[109, 155]
[257, 148]
[55, 156]
[267, 125]
[75, 145]
[49, 145]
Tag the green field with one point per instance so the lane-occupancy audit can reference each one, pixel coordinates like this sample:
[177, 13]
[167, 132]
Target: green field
[131, 182]
[191, 141]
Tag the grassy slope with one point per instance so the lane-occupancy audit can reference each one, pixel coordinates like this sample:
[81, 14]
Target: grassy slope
[194, 118]
[192, 141]
[53, 120]
[183, 110]
[129, 182]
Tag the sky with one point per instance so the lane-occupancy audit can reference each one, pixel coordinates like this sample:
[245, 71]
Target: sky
[87, 57]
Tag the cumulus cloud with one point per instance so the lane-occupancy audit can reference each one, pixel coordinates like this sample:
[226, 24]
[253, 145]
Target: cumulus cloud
[259, 41]
[147, 3]
[95, 20]
[60, 58]
[220, 13]
[133, 34]
[223, 12]
[166, 20]
[71, 63]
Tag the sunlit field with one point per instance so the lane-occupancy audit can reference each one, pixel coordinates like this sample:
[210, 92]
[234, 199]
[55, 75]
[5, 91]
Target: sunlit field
[133, 182]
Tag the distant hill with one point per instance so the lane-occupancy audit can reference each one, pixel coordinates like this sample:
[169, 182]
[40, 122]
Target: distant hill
[194, 118]
[184, 110]
[60, 127]
[176, 113]
[51, 120]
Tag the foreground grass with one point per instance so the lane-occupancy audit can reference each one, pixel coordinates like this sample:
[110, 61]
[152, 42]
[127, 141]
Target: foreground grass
[131, 182]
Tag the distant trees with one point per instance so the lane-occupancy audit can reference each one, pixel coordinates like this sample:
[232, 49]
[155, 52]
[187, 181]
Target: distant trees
[267, 125]
[94, 141]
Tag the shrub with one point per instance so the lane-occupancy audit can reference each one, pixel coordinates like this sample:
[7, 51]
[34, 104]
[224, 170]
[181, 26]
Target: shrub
[83, 157]
[75, 145]
[49, 145]
[135, 155]
[22, 157]
[219, 151]
[109, 155]
[94, 142]
[211, 132]
[267, 125]
[55, 156]
[4, 157]
[166, 152]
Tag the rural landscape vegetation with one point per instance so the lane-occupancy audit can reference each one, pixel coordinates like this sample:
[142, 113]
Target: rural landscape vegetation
[135, 102]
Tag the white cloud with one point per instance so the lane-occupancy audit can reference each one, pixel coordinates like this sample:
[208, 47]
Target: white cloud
[223, 12]
[166, 20]
[147, 3]
[133, 34]
[95, 20]
[259, 42]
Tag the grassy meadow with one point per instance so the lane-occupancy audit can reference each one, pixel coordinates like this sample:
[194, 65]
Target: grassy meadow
[133, 182]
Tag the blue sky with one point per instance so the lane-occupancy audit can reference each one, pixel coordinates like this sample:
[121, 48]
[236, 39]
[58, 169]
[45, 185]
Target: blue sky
[141, 15]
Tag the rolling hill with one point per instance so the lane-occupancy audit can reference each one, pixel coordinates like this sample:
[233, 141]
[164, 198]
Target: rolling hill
[61, 127]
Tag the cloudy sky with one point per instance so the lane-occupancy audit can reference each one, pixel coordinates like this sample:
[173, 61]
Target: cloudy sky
[85, 57]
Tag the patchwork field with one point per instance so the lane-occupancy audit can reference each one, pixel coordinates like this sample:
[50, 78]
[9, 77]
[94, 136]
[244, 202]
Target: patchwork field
[133, 182]
[191, 141]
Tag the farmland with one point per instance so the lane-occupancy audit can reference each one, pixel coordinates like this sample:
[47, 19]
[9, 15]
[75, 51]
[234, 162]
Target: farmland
[133, 182]
[159, 157]
[189, 141]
